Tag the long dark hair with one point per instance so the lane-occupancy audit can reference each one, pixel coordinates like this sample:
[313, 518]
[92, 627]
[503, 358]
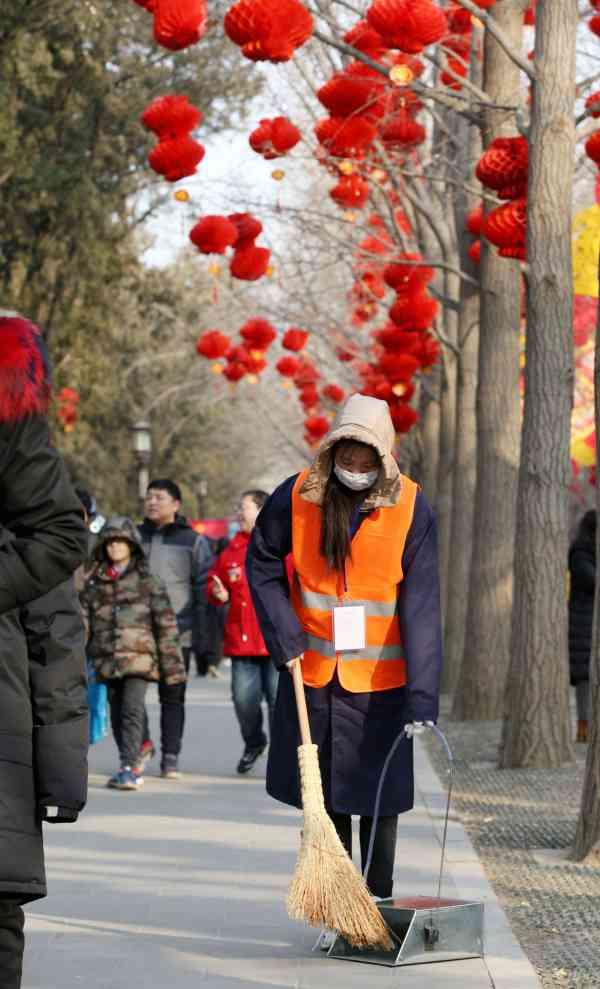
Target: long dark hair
[338, 504]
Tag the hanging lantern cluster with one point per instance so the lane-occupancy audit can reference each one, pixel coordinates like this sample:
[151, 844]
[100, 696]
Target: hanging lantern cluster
[172, 118]
[215, 234]
[503, 167]
[274, 138]
[268, 30]
[177, 23]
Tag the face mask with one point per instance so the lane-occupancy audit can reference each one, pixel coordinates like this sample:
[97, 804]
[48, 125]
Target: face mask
[356, 482]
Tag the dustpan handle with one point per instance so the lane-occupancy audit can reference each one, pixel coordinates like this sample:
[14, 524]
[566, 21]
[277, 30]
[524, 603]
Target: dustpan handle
[301, 703]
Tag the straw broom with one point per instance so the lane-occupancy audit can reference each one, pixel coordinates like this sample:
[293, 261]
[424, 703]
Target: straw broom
[327, 890]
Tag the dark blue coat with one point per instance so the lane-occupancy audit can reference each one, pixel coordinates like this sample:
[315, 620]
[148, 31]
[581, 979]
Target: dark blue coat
[354, 732]
[582, 569]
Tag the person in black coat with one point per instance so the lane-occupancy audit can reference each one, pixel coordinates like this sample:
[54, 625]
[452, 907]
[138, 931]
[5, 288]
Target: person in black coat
[43, 741]
[582, 571]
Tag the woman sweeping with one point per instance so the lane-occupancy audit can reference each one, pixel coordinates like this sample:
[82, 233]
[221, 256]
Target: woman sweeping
[362, 616]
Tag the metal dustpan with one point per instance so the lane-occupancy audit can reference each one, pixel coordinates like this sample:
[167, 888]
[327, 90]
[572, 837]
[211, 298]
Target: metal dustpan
[423, 929]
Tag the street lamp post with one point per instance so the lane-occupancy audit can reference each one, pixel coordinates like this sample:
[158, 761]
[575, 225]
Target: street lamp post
[201, 493]
[142, 448]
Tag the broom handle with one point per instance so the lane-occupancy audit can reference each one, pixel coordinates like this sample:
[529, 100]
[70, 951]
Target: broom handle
[301, 703]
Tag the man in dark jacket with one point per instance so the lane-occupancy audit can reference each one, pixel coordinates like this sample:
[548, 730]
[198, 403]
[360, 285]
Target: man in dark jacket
[43, 742]
[181, 558]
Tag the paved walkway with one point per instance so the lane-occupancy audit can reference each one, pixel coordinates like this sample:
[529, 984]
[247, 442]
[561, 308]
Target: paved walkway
[183, 885]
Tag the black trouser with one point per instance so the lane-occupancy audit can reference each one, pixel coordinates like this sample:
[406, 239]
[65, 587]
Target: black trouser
[127, 711]
[380, 878]
[12, 920]
[172, 718]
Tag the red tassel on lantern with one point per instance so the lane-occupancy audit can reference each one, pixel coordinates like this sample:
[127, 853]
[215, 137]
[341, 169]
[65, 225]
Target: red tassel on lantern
[179, 23]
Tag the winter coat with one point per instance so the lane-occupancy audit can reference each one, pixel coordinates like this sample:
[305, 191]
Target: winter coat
[181, 558]
[582, 569]
[132, 629]
[354, 731]
[43, 736]
[242, 631]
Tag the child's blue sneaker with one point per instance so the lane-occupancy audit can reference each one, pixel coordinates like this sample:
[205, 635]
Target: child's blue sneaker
[125, 779]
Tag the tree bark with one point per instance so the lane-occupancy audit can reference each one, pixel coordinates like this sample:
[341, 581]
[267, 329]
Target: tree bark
[430, 435]
[480, 690]
[588, 825]
[537, 730]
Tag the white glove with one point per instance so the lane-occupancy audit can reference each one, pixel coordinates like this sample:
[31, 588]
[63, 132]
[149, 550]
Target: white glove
[417, 727]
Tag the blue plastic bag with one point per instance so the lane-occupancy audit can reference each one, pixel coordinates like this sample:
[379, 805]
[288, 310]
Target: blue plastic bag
[98, 705]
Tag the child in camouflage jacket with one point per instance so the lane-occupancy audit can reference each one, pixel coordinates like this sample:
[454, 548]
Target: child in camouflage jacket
[132, 637]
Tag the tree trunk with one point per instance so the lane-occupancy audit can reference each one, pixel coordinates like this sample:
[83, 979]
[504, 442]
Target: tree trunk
[537, 729]
[588, 825]
[480, 691]
[465, 459]
[430, 435]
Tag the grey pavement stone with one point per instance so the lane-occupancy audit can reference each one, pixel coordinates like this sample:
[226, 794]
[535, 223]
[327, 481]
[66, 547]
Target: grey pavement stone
[183, 884]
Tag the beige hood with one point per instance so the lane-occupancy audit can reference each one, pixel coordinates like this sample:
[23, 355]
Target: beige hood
[366, 420]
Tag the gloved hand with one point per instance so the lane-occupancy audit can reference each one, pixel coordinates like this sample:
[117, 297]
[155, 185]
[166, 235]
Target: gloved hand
[417, 727]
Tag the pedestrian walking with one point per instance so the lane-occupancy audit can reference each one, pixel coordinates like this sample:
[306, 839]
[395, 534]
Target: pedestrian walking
[43, 737]
[132, 638]
[209, 660]
[582, 584]
[362, 616]
[181, 558]
[253, 674]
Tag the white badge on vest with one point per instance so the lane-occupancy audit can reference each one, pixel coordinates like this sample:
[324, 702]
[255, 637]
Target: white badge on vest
[349, 628]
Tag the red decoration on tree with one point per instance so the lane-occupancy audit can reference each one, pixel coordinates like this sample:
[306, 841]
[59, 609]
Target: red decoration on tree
[506, 225]
[213, 344]
[409, 25]
[248, 228]
[398, 366]
[475, 220]
[146, 4]
[406, 277]
[529, 15]
[356, 90]
[592, 104]
[504, 164]
[307, 374]
[268, 30]
[459, 19]
[427, 352]
[179, 23]
[294, 339]
[402, 131]
[258, 334]
[351, 191]
[345, 138]
[234, 371]
[171, 116]
[274, 138]
[363, 37]
[344, 355]
[316, 427]
[414, 311]
[403, 416]
[474, 252]
[214, 234]
[594, 25]
[250, 263]
[392, 338]
[309, 396]
[176, 159]
[288, 366]
[592, 147]
[334, 393]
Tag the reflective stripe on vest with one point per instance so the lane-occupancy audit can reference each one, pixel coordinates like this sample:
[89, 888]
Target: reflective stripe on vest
[372, 578]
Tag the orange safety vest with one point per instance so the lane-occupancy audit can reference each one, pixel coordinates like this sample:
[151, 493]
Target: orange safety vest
[371, 579]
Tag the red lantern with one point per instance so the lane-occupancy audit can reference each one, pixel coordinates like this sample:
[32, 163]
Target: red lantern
[409, 25]
[356, 90]
[373, 282]
[214, 234]
[459, 20]
[258, 333]
[475, 220]
[288, 366]
[414, 311]
[294, 339]
[171, 116]
[176, 159]
[403, 276]
[402, 131]
[592, 147]
[427, 352]
[248, 228]
[250, 263]
[504, 163]
[317, 427]
[529, 15]
[592, 104]
[274, 138]
[505, 226]
[448, 76]
[146, 4]
[213, 344]
[594, 25]
[334, 393]
[392, 338]
[345, 138]
[352, 191]
[363, 37]
[309, 396]
[234, 371]
[179, 23]
[474, 252]
[398, 366]
[403, 417]
[268, 30]
[307, 374]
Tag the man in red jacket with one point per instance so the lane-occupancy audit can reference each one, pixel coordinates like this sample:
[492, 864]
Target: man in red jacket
[253, 674]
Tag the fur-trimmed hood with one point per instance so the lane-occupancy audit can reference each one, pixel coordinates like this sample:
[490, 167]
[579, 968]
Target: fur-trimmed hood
[366, 420]
[119, 527]
[24, 376]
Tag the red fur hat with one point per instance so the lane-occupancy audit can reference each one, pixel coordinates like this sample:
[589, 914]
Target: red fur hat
[24, 379]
